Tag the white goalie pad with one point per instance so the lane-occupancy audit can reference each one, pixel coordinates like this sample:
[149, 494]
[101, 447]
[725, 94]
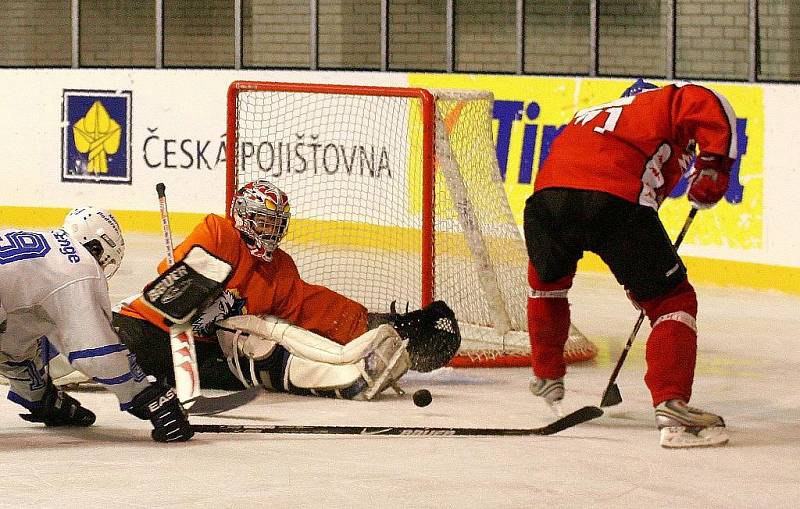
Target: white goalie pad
[314, 375]
[306, 344]
[377, 358]
[238, 342]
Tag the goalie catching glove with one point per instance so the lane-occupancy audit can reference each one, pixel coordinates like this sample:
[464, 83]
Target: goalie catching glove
[432, 333]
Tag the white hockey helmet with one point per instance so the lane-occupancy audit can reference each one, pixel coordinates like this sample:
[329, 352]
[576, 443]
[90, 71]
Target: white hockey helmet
[261, 212]
[99, 232]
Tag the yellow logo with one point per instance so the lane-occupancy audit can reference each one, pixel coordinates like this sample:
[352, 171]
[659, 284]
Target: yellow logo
[97, 135]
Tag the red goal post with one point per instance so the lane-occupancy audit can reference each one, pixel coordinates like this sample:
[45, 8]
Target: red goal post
[396, 196]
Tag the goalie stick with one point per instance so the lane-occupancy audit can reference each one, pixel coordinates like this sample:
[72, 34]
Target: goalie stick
[579, 416]
[184, 357]
[612, 396]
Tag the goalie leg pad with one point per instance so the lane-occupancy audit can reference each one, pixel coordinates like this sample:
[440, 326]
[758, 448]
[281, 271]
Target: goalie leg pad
[188, 286]
[318, 376]
[313, 364]
[238, 342]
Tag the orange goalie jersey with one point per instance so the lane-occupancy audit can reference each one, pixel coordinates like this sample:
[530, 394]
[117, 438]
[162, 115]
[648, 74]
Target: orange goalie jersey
[638, 147]
[258, 287]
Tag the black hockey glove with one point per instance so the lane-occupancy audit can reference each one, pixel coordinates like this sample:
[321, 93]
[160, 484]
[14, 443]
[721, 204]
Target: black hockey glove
[432, 333]
[160, 404]
[60, 409]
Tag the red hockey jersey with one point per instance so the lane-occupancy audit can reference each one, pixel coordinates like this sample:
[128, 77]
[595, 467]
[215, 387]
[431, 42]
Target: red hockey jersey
[638, 147]
[257, 287]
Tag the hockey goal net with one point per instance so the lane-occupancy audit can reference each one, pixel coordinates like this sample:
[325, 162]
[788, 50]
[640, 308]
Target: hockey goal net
[396, 196]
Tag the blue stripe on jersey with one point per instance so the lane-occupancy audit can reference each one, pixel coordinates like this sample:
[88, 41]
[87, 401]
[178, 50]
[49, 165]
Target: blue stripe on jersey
[96, 352]
[114, 381]
[19, 400]
[126, 406]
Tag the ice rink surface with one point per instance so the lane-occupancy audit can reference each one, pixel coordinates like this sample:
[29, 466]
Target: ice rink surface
[747, 371]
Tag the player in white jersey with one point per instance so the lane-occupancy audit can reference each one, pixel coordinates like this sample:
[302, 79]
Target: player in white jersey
[53, 286]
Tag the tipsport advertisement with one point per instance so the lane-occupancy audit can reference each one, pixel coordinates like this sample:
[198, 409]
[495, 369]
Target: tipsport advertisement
[529, 112]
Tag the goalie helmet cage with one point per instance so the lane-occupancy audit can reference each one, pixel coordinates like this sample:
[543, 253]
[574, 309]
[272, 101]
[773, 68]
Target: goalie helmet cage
[396, 195]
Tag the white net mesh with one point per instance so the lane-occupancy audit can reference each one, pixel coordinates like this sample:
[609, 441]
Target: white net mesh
[352, 166]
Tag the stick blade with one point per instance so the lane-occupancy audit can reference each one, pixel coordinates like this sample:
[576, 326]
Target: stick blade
[611, 396]
[579, 416]
[202, 405]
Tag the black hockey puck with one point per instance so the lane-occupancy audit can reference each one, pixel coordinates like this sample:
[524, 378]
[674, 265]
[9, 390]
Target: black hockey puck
[422, 397]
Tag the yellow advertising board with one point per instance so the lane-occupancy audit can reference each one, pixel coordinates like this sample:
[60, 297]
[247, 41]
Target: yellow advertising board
[530, 111]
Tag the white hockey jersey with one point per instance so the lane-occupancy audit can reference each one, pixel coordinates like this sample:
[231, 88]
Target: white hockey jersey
[52, 286]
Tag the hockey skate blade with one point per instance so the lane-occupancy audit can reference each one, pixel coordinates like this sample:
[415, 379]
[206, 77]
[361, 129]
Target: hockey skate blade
[680, 437]
[556, 408]
[202, 405]
[579, 416]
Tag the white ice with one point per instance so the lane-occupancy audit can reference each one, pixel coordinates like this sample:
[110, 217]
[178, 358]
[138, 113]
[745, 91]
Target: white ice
[747, 371]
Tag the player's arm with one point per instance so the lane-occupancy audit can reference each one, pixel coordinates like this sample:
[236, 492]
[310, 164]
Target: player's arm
[708, 119]
[313, 307]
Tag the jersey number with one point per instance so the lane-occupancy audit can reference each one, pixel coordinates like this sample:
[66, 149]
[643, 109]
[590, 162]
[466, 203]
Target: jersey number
[15, 246]
[614, 110]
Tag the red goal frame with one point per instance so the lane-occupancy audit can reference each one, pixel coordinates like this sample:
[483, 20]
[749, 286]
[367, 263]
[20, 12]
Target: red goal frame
[428, 105]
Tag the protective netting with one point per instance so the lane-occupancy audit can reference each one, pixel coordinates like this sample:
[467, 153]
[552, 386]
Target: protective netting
[352, 166]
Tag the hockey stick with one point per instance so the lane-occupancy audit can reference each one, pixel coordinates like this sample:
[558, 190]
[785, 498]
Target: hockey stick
[581, 415]
[612, 396]
[184, 356]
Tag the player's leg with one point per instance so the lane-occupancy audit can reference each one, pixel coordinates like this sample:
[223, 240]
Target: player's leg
[149, 344]
[553, 237]
[641, 256]
[287, 358]
[23, 363]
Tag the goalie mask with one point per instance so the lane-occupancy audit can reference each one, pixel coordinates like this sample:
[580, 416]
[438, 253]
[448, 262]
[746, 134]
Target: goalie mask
[261, 212]
[98, 231]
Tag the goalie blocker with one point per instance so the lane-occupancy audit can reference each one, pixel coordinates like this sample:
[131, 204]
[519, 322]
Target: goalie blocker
[187, 286]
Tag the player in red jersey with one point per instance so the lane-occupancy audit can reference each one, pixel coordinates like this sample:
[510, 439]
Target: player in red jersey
[599, 190]
[270, 327]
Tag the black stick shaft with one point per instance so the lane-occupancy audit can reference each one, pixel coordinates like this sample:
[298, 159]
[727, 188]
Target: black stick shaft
[635, 331]
[581, 415]
[360, 430]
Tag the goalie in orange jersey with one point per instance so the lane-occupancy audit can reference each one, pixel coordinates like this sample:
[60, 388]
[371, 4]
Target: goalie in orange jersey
[599, 190]
[270, 327]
